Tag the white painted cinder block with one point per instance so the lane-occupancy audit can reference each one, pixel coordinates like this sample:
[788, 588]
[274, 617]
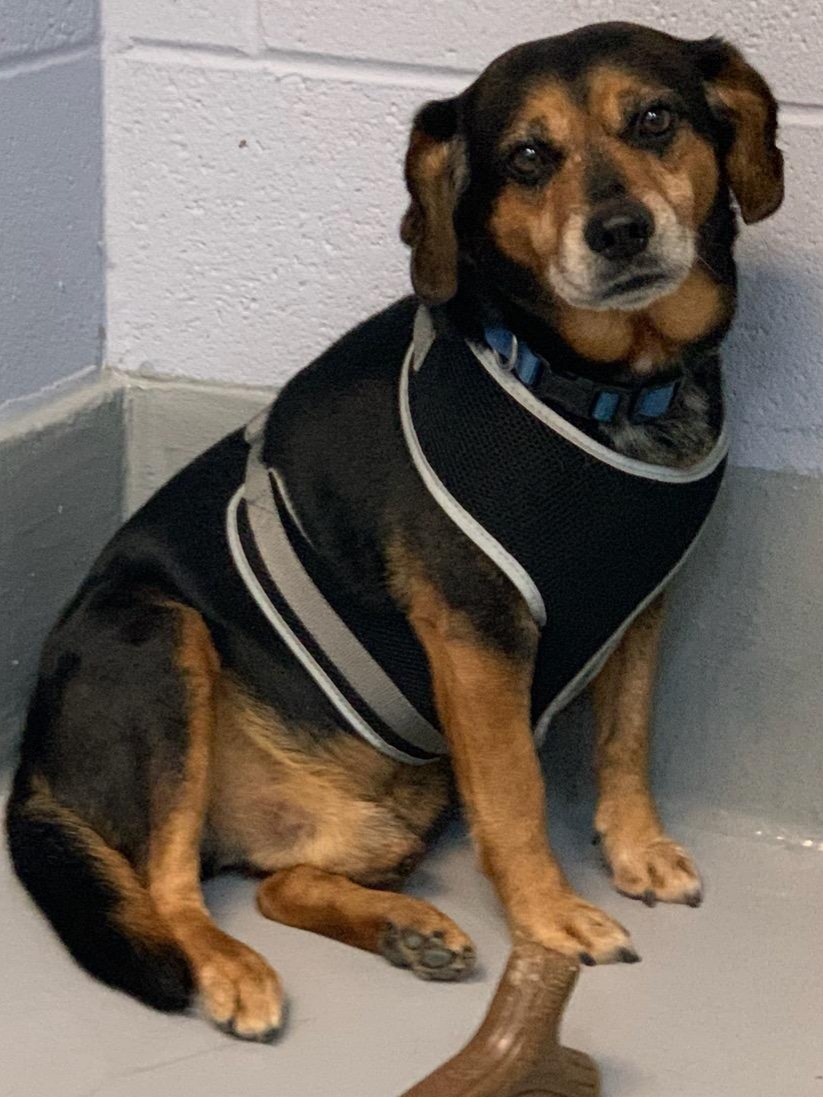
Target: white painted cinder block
[32, 26]
[782, 36]
[252, 216]
[229, 23]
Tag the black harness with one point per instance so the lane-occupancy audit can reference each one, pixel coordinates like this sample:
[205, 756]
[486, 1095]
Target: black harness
[587, 536]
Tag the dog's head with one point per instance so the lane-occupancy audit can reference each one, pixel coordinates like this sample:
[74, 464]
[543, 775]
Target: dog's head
[588, 177]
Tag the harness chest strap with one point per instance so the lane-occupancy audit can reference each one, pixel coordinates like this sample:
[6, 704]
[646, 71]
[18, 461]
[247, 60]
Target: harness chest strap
[339, 644]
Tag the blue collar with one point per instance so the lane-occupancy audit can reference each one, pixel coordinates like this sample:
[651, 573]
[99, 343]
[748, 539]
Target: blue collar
[638, 402]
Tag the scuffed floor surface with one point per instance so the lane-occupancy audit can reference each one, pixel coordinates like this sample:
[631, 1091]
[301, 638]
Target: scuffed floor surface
[728, 1001]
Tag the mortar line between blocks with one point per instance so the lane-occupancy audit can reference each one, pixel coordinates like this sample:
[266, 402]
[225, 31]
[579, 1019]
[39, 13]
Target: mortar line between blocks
[23, 65]
[801, 114]
[364, 70]
[285, 62]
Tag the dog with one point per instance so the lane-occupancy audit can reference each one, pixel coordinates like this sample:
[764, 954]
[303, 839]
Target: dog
[571, 217]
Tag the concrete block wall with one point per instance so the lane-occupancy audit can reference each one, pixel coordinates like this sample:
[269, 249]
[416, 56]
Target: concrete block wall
[254, 158]
[51, 262]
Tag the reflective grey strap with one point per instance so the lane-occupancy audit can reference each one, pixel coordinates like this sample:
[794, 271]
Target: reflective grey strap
[423, 336]
[338, 643]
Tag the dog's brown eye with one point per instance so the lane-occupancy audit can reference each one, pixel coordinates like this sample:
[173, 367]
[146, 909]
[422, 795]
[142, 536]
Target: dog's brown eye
[656, 122]
[527, 163]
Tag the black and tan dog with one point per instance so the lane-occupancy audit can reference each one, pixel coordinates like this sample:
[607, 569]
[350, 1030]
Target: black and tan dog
[579, 192]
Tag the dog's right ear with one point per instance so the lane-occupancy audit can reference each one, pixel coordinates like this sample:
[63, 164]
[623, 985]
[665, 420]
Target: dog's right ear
[436, 173]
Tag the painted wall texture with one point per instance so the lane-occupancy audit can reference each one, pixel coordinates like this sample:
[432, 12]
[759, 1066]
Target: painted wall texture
[51, 263]
[254, 158]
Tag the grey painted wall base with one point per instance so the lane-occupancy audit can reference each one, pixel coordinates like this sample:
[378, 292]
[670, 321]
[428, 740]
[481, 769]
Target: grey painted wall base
[70, 471]
[170, 422]
[741, 694]
[61, 476]
[739, 707]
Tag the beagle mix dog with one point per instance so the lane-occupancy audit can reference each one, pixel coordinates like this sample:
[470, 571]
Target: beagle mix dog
[575, 203]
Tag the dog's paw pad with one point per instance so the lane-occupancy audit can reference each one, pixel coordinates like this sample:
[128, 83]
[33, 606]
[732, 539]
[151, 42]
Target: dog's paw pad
[428, 955]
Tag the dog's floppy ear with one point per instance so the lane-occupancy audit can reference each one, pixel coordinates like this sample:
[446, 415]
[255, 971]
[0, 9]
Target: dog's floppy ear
[435, 175]
[742, 100]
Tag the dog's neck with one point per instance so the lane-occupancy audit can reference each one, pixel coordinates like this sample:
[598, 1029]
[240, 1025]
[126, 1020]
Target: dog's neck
[681, 437]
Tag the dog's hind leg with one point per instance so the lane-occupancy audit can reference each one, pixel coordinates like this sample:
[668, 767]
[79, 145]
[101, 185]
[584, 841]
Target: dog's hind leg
[109, 803]
[238, 989]
[407, 931]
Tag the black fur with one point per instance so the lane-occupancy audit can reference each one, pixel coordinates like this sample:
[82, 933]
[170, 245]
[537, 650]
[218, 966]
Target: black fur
[80, 904]
[106, 728]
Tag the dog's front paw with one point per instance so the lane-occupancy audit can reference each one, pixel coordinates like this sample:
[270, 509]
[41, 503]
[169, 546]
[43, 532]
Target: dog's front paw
[240, 993]
[655, 870]
[579, 930]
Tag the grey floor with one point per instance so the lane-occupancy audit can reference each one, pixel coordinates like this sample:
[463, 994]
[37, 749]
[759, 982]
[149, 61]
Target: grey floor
[728, 1001]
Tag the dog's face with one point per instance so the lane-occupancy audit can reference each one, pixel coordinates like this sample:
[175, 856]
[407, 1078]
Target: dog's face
[580, 174]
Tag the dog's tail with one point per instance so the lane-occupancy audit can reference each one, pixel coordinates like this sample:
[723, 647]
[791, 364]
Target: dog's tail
[94, 900]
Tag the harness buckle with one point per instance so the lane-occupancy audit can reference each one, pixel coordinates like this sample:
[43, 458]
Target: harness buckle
[505, 346]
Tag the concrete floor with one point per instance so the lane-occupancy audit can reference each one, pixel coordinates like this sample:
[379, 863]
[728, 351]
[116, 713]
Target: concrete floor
[727, 1002]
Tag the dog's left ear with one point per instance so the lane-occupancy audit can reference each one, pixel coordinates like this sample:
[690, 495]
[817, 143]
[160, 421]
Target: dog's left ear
[435, 175]
[742, 99]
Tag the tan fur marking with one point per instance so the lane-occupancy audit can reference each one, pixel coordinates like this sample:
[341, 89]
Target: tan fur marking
[654, 335]
[611, 92]
[606, 336]
[333, 906]
[754, 163]
[554, 110]
[690, 177]
[174, 855]
[525, 229]
[527, 224]
[692, 311]
[643, 860]
[483, 700]
[237, 987]
[434, 175]
[281, 799]
[135, 912]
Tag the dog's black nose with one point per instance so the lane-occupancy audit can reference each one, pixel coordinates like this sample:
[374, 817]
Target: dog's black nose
[621, 231]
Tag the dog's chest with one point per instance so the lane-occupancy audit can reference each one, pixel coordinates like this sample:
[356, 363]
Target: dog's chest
[588, 538]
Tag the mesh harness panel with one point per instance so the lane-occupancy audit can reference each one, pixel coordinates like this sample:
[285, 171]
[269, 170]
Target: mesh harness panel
[587, 536]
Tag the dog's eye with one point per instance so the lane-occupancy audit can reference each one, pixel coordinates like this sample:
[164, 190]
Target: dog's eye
[656, 122]
[527, 163]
